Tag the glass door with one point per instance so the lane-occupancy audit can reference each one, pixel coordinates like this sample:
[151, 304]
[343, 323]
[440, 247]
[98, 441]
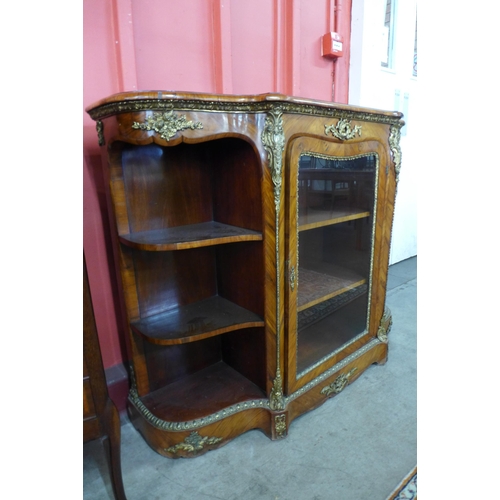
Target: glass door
[330, 283]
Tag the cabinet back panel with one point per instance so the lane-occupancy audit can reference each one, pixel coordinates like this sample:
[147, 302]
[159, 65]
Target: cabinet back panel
[166, 364]
[245, 351]
[191, 183]
[166, 186]
[240, 275]
[237, 184]
[166, 280]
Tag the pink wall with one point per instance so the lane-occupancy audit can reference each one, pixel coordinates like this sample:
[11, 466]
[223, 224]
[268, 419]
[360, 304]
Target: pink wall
[213, 46]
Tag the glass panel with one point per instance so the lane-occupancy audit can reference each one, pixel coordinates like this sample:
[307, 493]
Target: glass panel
[415, 52]
[335, 224]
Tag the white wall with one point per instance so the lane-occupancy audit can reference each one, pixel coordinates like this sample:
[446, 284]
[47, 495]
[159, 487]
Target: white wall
[373, 86]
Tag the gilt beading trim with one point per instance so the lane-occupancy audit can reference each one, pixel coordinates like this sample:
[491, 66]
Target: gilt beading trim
[165, 425]
[215, 106]
[328, 373]
[293, 278]
[247, 405]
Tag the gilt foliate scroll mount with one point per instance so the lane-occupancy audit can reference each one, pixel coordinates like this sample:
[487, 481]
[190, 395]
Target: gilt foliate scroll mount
[280, 426]
[194, 443]
[338, 384]
[385, 326]
[342, 130]
[394, 143]
[167, 124]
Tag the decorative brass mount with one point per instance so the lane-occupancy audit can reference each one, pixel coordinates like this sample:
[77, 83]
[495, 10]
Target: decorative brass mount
[338, 384]
[100, 132]
[394, 143]
[273, 140]
[385, 326]
[167, 124]
[342, 130]
[280, 426]
[193, 443]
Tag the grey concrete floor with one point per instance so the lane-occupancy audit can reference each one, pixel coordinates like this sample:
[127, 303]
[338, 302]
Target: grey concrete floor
[357, 446]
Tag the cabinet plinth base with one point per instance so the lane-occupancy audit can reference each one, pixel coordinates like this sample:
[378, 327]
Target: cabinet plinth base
[192, 439]
[191, 442]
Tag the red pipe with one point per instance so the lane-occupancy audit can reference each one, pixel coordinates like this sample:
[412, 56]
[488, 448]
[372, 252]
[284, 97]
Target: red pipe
[337, 14]
[336, 76]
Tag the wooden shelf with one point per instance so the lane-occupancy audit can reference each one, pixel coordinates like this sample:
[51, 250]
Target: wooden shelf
[191, 236]
[203, 393]
[201, 320]
[318, 312]
[315, 287]
[319, 218]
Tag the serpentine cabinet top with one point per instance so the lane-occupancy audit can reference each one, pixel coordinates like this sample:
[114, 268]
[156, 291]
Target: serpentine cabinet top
[144, 100]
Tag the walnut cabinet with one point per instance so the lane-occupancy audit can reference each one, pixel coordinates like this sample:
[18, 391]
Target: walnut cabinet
[252, 239]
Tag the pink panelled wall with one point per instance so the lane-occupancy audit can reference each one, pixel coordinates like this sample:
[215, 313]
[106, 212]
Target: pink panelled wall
[213, 46]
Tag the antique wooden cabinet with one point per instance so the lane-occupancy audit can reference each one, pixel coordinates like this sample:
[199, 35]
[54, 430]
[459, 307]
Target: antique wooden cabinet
[252, 240]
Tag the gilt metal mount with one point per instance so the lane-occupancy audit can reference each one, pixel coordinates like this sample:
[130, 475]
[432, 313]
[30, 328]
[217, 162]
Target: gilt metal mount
[167, 124]
[338, 384]
[385, 326]
[280, 426]
[342, 130]
[193, 443]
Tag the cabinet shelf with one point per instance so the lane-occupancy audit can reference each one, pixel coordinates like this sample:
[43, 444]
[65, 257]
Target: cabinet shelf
[315, 287]
[202, 393]
[189, 236]
[320, 218]
[197, 321]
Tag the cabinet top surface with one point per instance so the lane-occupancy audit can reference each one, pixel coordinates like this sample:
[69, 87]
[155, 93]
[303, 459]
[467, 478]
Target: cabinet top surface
[141, 100]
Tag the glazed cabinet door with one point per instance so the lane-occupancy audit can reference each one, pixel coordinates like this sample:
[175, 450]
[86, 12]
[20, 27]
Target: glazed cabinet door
[334, 300]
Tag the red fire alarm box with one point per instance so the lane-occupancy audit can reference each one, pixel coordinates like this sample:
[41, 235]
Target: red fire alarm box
[332, 44]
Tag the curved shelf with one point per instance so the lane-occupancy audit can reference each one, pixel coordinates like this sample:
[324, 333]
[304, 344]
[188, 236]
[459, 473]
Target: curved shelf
[201, 394]
[190, 236]
[197, 321]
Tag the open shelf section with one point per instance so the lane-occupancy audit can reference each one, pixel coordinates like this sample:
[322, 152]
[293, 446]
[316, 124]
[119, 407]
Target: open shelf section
[197, 321]
[318, 218]
[315, 287]
[190, 236]
[202, 393]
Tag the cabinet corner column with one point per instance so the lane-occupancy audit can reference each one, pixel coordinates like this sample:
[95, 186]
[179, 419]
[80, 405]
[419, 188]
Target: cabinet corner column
[273, 139]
